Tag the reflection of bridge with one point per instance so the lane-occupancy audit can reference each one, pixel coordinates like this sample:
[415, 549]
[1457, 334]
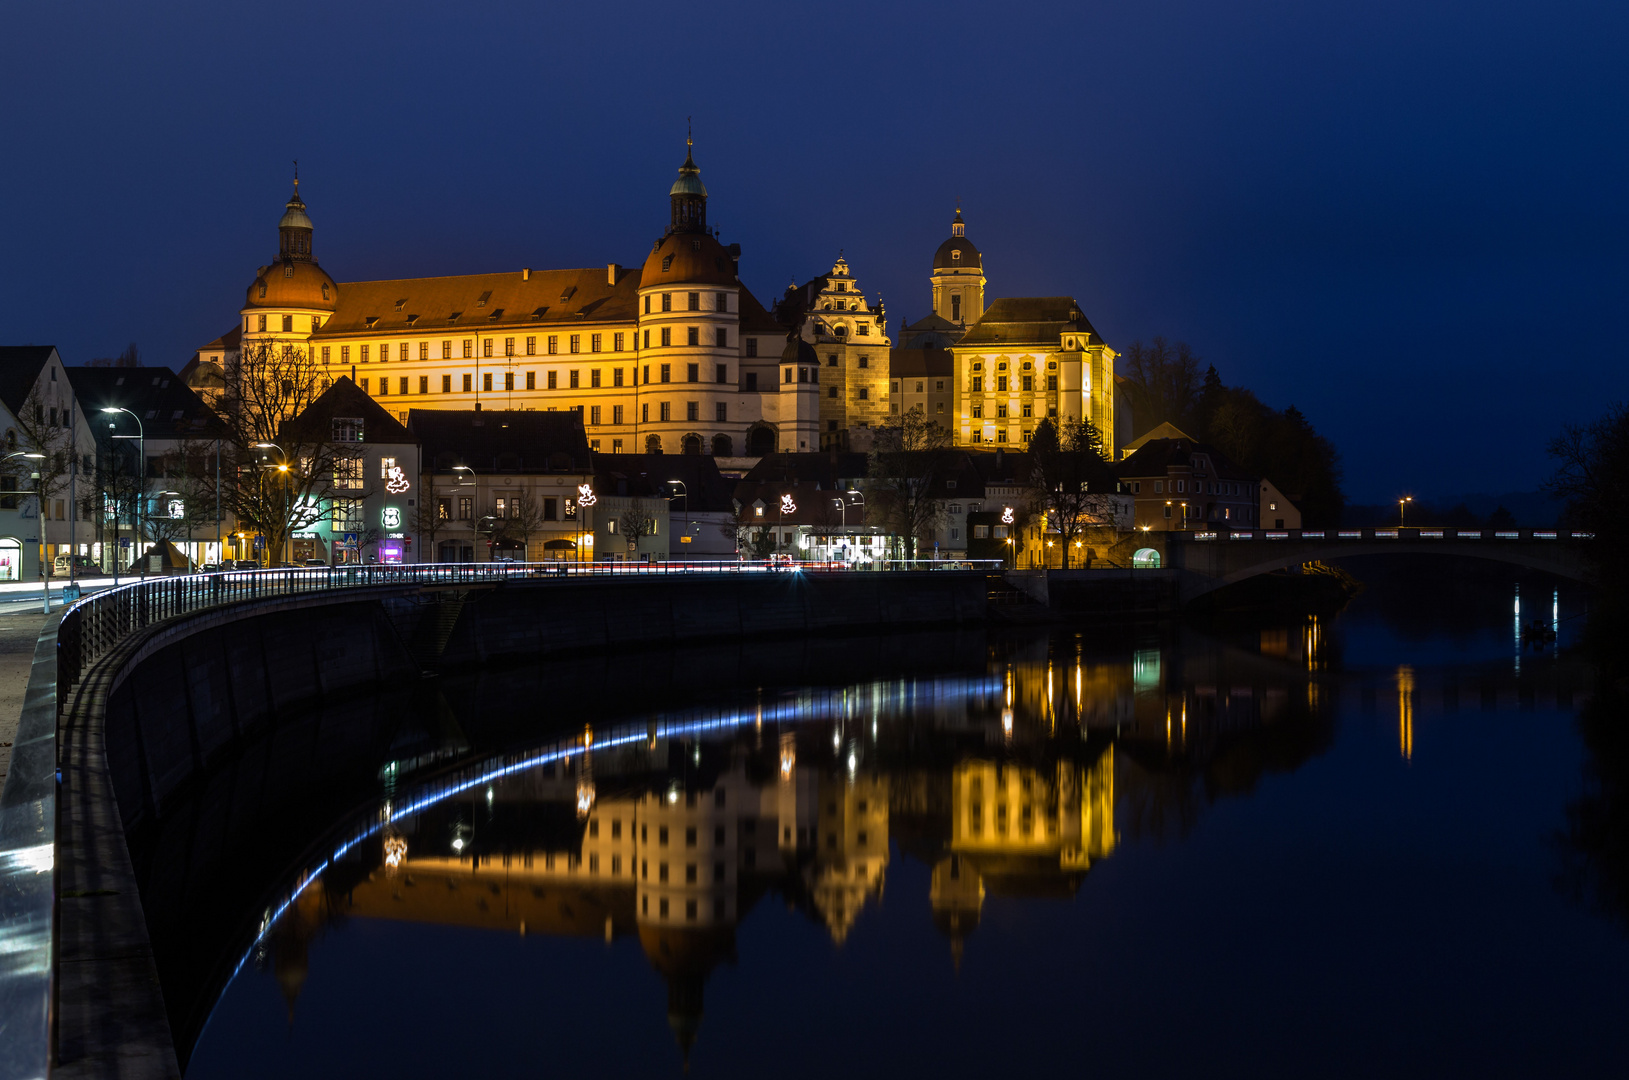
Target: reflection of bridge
[1203, 562]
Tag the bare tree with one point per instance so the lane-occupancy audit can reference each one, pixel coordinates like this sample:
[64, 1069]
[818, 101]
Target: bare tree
[278, 474]
[46, 437]
[907, 461]
[1073, 479]
[1165, 383]
[1592, 472]
[635, 523]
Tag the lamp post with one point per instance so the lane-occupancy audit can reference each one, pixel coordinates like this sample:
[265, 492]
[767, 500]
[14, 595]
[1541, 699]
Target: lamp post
[1402, 505]
[141, 481]
[39, 512]
[685, 492]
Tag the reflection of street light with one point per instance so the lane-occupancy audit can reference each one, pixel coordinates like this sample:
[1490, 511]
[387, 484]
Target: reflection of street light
[39, 510]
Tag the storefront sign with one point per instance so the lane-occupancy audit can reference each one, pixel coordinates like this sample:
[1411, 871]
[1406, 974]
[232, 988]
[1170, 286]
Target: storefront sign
[391, 517]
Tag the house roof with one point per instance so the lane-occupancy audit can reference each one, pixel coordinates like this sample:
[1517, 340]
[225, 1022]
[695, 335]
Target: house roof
[513, 441]
[755, 319]
[346, 399]
[934, 321]
[1165, 430]
[916, 362]
[166, 404]
[20, 367]
[704, 486]
[1029, 320]
[829, 471]
[546, 298]
[227, 341]
[1157, 457]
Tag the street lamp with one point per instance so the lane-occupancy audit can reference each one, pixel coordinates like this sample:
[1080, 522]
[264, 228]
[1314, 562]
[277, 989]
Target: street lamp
[141, 480]
[1402, 505]
[39, 511]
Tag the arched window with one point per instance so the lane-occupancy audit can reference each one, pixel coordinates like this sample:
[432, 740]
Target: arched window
[723, 446]
[653, 444]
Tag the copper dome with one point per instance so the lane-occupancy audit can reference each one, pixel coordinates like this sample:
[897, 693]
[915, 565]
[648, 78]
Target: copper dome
[970, 258]
[293, 283]
[688, 259]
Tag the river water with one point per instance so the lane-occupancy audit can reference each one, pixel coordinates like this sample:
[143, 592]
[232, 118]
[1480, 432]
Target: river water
[1345, 845]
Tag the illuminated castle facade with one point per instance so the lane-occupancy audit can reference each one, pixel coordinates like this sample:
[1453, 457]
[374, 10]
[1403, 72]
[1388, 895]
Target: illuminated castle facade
[674, 356]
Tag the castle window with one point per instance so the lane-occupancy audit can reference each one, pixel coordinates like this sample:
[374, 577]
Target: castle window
[345, 354]
[531, 346]
[446, 350]
[723, 373]
[692, 411]
[468, 384]
[594, 342]
[616, 376]
[865, 394]
[694, 301]
[363, 349]
[509, 381]
[865, 329]
[486, 382]
[647, 305]
[667, 298]
[667, 372]
[531, 380]
[1001, 384]
[692, 373]
[262, 323]
[667, 264]
[752, 346]
[616, 345]
[692, 335]
[509, 346]
[978, 384]
[723, 336]
[865, 361]
[424, 384]
[469, 348]
[572, 375]
[1027, 382]
[667, 336]
[831, 393]
[553, 376]
[722, 301]
[325, 354]
[1052, 383]
[576, 343]
[721, 414]
[831, 361]
[554, 344]
[594, 378]
[424, 350]
[324, 291]
[666, 410]
[978, 412]
[486, 346]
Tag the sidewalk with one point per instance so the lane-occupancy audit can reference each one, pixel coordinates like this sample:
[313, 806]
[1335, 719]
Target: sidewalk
[19, 630]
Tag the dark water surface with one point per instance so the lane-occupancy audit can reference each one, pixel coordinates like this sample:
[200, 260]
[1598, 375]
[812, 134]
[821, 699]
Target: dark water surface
[1291, 847]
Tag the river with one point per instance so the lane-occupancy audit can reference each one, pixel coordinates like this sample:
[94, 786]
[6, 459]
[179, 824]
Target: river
[1344, 845]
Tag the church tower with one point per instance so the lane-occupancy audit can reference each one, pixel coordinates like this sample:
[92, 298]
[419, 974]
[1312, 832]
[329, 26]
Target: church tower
[958, 277]
[294, 230]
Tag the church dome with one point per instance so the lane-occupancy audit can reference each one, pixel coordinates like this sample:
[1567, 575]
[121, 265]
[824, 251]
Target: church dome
[689, 181]
[958, 252]
[293, 283]
[688, 258]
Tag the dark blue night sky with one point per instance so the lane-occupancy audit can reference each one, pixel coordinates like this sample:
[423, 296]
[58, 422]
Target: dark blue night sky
[1405, 218]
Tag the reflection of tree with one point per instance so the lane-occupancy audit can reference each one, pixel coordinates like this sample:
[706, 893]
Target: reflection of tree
[1595, 845]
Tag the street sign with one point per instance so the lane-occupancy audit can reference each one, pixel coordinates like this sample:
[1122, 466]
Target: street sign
[260, 543]
[350, 538]
[124, 541]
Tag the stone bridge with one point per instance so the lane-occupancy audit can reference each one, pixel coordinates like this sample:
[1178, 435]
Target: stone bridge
[1202, 562]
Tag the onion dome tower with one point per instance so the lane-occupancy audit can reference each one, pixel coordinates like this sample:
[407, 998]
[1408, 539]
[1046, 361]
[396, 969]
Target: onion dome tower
[688, 195]
[958, 277]
[293, 296]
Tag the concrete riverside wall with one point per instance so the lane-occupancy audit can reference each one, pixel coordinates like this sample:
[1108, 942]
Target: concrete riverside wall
[520, 621]
[192, 698]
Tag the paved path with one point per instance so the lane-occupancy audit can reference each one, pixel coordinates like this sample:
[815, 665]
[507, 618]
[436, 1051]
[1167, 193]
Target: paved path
[19, 629]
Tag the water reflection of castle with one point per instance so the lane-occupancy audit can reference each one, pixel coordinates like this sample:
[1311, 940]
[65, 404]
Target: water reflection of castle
[1005, 785]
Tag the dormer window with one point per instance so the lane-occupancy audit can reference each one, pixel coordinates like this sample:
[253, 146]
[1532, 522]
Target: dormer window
[955, 256]
[370, 320]
[481, 300]
[567, 293]
[454, 316]
[1001, 366]
[411, 319]
[497, 313]
[324, 291]
[667, 263]
[401, 303]
[262, 290]
[978, 365]
[538, 314]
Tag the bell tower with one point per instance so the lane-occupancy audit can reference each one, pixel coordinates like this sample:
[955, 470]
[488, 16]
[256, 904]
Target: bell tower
[294, 231]
[688, 196]
[958, 277]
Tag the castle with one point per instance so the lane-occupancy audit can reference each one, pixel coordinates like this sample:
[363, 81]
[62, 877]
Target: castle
[676, 355]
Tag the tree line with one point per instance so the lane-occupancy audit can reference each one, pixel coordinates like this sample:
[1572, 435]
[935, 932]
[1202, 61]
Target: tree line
[1166, 383]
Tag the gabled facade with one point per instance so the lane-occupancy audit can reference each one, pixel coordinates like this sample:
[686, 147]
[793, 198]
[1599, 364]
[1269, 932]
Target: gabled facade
[39, 413]
[850, 339]
[1182, 485]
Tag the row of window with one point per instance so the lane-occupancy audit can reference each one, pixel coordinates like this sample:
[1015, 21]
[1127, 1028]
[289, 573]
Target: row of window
[938, 384]
[864, 393]
[574, 346]
[664, 373]
[721, 302]
[1181, 487]
[1026, 383]
[1026, 410]
[288, 320]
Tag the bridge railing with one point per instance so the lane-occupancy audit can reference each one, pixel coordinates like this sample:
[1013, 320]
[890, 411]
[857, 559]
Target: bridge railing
[1409, 533]
[95, 624]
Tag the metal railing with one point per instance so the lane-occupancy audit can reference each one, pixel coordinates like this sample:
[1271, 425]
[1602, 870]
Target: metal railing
[95, 624]
[1409, 532]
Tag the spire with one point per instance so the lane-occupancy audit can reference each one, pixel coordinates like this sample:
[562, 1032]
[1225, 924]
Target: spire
[688, 195]
[958, 227]
[294, 230]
